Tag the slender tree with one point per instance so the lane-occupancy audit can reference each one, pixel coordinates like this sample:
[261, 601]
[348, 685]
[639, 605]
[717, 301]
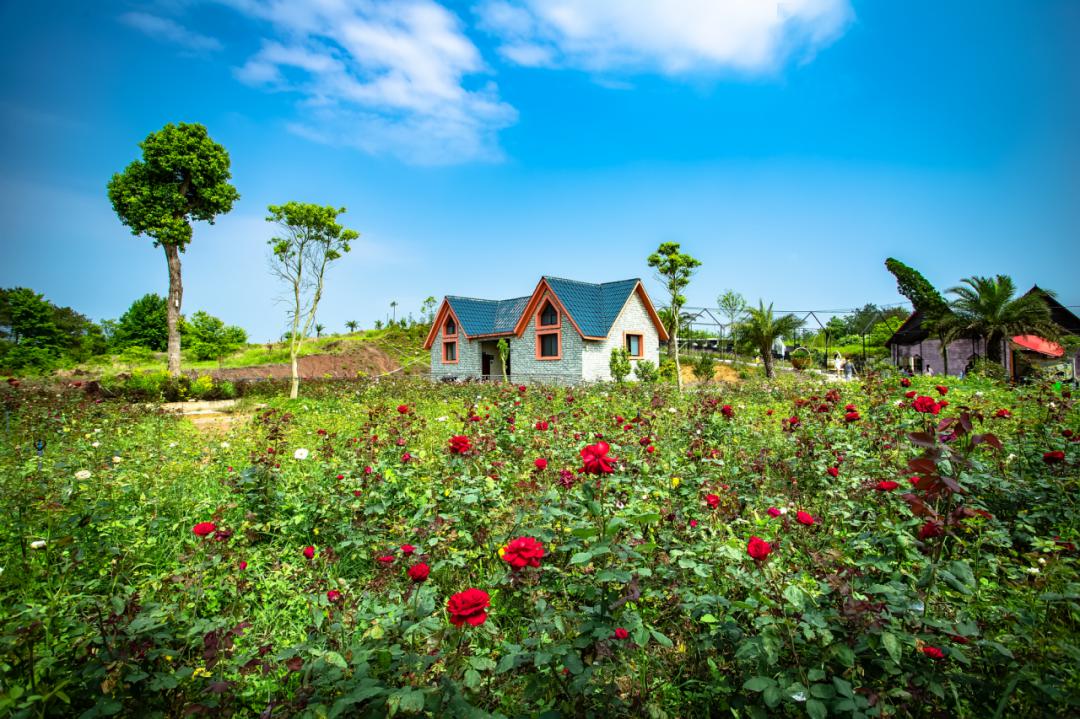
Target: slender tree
[393, 310]
[351, 325]
[674, 269]
[182, 177]
[427, 309]
[988, 307]
[310, 240]
[761, 328]
[732, 304]
[319, 330]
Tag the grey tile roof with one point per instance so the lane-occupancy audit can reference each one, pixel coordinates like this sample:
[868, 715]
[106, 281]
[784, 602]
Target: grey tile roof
[487, 317]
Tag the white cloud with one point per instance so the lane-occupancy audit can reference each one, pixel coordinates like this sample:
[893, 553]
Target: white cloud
[161, 28]
[383, 76]
[674, 37]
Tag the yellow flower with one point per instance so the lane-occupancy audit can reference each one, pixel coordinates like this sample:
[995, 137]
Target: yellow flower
[315, 531]
[201, 672]
[502, 551]
[168, 657]
[675, 482]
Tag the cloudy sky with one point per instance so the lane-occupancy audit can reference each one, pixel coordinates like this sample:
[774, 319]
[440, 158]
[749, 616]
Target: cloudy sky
[790, 146]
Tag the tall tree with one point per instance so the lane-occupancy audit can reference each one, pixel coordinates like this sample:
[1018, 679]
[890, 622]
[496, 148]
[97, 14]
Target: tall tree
[351, 325]
[182, 177]
[393, 309]
[310, 240]
[674, 269]
[936, 313]
[144, 324]
[427, 309]
[732, 304]
[761, 328]
[988, 307]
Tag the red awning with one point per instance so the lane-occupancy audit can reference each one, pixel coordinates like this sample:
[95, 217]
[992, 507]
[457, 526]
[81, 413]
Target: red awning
[1038, 344]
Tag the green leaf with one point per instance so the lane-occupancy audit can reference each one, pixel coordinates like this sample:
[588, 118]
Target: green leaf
[472, 679]
[758, 684]
[661, 639]
[815, 675]
[573, 663]
[816, 709]
[772, 696]
[581, 558]
[843, 687]
[795, 595]
[335, 659]
[892, 646]
[412, 701]
[709, 619]
[507, 663]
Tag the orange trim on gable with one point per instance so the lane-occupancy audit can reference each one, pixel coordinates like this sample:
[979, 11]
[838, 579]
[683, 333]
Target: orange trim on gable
[533, 305]
[440, 320]
[640, 289]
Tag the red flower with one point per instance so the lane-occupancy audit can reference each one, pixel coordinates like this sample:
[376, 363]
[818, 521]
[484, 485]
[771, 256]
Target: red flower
[309, 552]
[911, 394]
[803, 518]
[942, 390]
[621, 633]
[242, 566]
[933, 652]
[773, 512]
[523, 552]
[930, 530]
[341, 476]
[460, 444]
[905, 382]
[727, 411]
[403, 409]
[758, 548]
[851, 417]
[419, 572]
[469, 607]
[541, 425]
[1003, 414]
[407, 549]
[368, 470]
[521, 388]
[1054, 457]
[713, 500]
[596, 459]
[833, 471]
[386, 560]
[650, 449]
[202, 529]
[849, 408]
[406, 457]
[886, 485]
[1066, 433]
[926, 405]
[791, 423]
[333, 596]
[540, 463]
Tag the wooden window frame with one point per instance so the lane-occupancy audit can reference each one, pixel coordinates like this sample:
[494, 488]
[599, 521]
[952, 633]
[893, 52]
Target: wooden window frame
[641, 344]
[558, 345]
[540, 313]
[452, 342]
[446, 334]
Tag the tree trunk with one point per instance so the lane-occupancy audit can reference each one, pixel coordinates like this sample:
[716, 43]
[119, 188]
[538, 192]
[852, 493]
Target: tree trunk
[944, 356]
[176, 295]
[767, 355]
[678, 367]
[294, 387]
[993, 348]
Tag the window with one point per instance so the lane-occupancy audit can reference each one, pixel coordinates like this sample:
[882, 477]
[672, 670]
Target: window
[449, 352]
[547, 346]
[635, 346]
[549, 316]
[450, 329]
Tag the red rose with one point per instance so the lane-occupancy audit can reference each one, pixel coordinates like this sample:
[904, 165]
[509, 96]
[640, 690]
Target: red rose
[419, 572]
[933, 652]
[540, 463]
[768, 413]
[596, 459]
[693, 524]
[930, 529]
[621, 633]
[403, 409]
[469, 607]
[713, 500]
[849, 408]
[407, 549]
[803, 518]
[242, 566]
[521, 388]
[386, 560]
[333, 596]
[886, 485]
[851, 417]
[942, 390]
[1066, 433]
[773, 512]
[523, 552]
[905, 382]
[541, 425]
[1003, 414]
[1054, 457]
[460, 444]
[356, 493]
[727, 411]
[341, 476]
[833, 471]
[202, 529]
[309, 552]
[926, 405]
[758, 548]
[911, 394]
[406, 457]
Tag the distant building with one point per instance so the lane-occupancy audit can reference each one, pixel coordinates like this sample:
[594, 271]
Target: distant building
[562, 333]
[913, 348]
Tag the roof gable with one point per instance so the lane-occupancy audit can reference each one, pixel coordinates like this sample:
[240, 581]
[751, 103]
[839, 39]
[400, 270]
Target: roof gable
[594, 307]
[487, 317]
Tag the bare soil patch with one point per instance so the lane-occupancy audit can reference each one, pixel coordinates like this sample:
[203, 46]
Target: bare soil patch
[366, 359]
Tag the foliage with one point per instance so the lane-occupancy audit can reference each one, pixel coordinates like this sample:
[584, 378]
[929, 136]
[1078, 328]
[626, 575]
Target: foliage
[311, 240]
[183, 177]
[619, 363]
[761, 329]
[210, 338]
[704, 367]
[37, 336]
[503, 348]
[912, 285]
[674, 269]
[987, 307]
[160, 386]
[645, 371]
[144, 324]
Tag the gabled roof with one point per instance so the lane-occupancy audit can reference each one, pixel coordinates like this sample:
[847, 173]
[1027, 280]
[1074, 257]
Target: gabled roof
[594, 307]
[487, 317]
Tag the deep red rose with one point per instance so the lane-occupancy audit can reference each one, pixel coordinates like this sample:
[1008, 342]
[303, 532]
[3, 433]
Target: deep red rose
[851, 417]
[1003, 414]
[833, 471]
[469, 607]
[914, 479]
[886, 485]
[804, 518]
[541, 425]
[460, 444]
[905, 382]
[242, 566]
[523, 552]
[540, 463]
[727, 411]
[1054, 457]
[693, 524]
[930, 530]
[822, 408]
[768, 413]
[407, 549]
[713, 500]
[911, 394]
[419, 572]
[933, 652]
[1066, 433]
[386, 560]
[849, 408]
[621, 633]
[758, 548]
[333, 596]
[650, 449]
[926, 405]
[596, 459]
[203, 529]
[356, 492]
[773, 512]
[403, 409]
[406, 457]
[309, 552]
[521, 388]
[942, 390]
[341, 476]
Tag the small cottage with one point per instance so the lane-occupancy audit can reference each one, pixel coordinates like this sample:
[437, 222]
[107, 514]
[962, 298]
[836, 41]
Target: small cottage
[563, 332]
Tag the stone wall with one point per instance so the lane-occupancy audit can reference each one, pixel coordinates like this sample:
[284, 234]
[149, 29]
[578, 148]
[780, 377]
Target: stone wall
[468, 364]
[634, 318]
[525, 367]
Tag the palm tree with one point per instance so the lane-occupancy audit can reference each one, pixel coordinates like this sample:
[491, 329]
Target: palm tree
[761, 329]
[351, 325]
[986, 307]
[393, 308]
[319, 330]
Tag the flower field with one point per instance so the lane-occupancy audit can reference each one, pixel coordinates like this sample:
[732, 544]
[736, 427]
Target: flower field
[890, 548]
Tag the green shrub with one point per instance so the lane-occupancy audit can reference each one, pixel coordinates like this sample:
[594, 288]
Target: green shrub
[619, 364]
[704, 367]
[645, 371]
[667, 370]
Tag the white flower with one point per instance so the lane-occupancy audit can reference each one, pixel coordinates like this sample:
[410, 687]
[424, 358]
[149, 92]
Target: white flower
[1033, 570]
[172, 444]
[82, 474]
[116, 459]
[224, 445]
[95, 444]
[37, 544]
[300, 454]
[783, 510]
[673, 410]
[978, 394]
[1042, 560]
[440, 419]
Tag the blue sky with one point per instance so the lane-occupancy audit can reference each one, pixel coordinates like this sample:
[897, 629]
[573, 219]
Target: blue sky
[478, 145]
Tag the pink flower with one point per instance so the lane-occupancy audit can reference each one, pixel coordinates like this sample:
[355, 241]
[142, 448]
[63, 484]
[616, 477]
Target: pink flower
[333, 596]
[242, 565]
